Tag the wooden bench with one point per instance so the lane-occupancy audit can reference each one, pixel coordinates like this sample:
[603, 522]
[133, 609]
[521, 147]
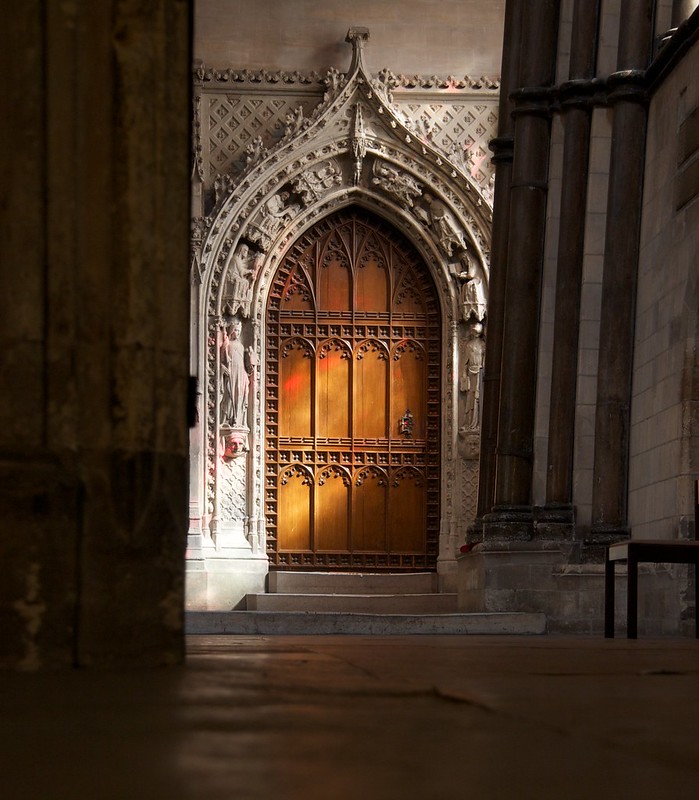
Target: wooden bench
[635, 552]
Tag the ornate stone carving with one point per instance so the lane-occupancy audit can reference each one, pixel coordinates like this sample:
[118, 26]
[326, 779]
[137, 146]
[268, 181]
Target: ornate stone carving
[276, 211]
[436, 214]
[396, 183]
[346, 122]
[472, 294]
[222, 187]
[237, 362]
[197, 150]
[241, 273]
[314, 183]
[359, 142]
[294, 121]
[199, 227]
[470, 378]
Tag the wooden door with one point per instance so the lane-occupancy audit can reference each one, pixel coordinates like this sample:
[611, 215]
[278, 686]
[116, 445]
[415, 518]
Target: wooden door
[352, 401]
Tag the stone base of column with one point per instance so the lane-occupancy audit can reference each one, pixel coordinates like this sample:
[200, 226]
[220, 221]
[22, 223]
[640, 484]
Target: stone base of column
[555, 521]
[508, 524]
[595, 543]
[474, 533]
[512, 576]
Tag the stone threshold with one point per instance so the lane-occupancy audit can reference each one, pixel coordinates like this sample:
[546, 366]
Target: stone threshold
[322, 623]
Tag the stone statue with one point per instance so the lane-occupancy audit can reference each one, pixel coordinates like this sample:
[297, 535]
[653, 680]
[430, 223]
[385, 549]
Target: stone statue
[237, 363]
[441, 221]
[398, 184]
[470, 380]
[472, 295]
[241, 273]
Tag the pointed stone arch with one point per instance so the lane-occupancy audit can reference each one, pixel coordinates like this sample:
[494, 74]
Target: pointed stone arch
[353, 150]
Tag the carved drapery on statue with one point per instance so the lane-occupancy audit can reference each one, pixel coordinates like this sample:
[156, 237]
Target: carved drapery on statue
[236, 365]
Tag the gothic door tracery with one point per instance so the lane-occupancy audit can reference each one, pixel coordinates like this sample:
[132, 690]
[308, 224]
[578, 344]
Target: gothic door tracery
[352, 401]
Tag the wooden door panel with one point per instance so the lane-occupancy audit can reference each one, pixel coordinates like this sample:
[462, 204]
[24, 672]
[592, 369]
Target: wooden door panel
[372, 279]
[406, 527]
[333, 390]
[295, 397]
[369, 501]
[408, 387]
[331, 511]
[353, 341]
[370, 385]
[295, 509]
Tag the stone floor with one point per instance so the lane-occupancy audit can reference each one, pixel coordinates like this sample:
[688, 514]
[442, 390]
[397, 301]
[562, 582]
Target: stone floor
[374, 718]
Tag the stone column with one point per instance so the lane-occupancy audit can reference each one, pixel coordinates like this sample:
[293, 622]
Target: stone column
[502, 147]
[511, 517]
[627, 95]
[94, 187]
[576, 108]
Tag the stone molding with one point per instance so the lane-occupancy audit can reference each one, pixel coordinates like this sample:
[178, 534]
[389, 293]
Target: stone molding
[210, 75]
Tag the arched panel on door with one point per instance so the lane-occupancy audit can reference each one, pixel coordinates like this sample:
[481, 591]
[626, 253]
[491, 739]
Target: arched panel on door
[296, 388]
[332, 533]
[371, 276]
[369, 510]
[408, 385]
[406, 526]
[333, 376]
[370, 390]
[334, 275]
[295, 509]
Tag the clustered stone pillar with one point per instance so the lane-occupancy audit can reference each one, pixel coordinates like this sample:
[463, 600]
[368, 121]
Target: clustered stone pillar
[94, 190]
[627, 95]
[576, 107]
[503, 148]
[511, 517]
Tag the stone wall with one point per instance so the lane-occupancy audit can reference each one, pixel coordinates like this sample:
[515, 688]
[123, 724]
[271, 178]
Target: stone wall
[665, 406]
[452, 37]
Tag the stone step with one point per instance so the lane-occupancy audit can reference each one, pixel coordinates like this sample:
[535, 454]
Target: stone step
[284, 582]
[354, 603]
[314, 623]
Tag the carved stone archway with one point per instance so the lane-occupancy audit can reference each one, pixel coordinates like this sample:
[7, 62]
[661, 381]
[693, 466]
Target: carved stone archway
[352, 150]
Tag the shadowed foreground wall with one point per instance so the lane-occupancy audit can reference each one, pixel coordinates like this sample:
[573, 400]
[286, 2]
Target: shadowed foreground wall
[93, 331]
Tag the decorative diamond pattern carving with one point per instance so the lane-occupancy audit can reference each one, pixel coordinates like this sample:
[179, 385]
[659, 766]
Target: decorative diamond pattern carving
[234, 121]
[461, 129]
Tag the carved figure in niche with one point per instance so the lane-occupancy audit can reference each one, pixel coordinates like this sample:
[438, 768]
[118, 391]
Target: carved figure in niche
[237, 363]
[242, 270]
[472, 294]
[277, 210]
[470, 379]
[439, 218]
[398, 184]
[315, 182]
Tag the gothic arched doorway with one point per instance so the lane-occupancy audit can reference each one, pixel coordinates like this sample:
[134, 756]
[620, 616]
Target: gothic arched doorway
[353, 351]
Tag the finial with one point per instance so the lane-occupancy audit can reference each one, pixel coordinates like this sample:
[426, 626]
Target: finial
[357, 37]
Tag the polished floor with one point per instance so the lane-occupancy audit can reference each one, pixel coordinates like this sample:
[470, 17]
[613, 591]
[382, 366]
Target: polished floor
[373, 718]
